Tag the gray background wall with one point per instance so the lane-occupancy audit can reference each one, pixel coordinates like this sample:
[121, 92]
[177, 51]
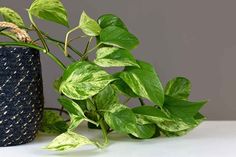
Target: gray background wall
[193, 38]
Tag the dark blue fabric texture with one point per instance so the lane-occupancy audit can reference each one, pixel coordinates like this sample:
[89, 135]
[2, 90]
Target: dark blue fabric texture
[21, 95]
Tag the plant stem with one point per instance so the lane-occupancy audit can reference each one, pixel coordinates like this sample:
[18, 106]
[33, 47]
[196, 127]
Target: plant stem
[87, 45]
[46, 50]
[61, 110]
[56, 109]
[67, 38]
[141, 101]
[86, 48]
[4, 34]
[104, 132]
[38, 32]
[62, 49]
[83, 36]
[91, 121]
[61, 42]
[91, 50]
[54, 58]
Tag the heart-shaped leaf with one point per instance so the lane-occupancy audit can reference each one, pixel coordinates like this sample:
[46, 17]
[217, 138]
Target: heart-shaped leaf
[67, 141]
[82, 80]
[106, 98]
[198, 118]
[10, 15]
[150, 114]
[88, 25]
[178, 87]
[182, 108]
[50, 10]
[116, 36]
[111, 20]
[171, 123]
[122, 119]
[114, 57]
[144, 82]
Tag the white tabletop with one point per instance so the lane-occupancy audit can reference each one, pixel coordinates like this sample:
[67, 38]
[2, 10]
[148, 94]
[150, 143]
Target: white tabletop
[210, 139]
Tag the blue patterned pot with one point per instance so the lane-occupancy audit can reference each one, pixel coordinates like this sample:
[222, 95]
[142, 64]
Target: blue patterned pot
[21, 95]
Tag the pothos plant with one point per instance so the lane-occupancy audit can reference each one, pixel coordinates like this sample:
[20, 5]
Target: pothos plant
[89, 93]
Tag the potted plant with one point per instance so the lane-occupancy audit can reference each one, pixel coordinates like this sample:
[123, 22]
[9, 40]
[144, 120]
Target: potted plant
[91, 94]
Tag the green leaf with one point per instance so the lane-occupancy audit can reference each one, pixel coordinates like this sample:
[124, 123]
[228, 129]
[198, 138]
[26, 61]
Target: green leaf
[67, 141]
[106, 98]
[114, 57]
[150, 111]
[164, 121]
[118, 37]
[144, 82]
[50, 10]
[198, 119]
[10, 15]
[71, 106]
[182, 108]
[75, 121]
[89, 26]
[178, 87]
[121, 119]
[76, 113]
[53, 123]
[82, 80]
[120, 86]
[144, 131]
[57, 84]
[111, 20]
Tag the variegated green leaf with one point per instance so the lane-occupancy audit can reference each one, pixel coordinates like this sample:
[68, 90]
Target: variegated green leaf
[76, 113]
[198, 118]
[75, 121]
[121, 87]
[69, 140]
[144, 82]
[182, 108]
[88, 25]
[178, 87]
[111, 20]
[161, 119]
[71, 106]
[145, 131]
[10, 15]
[121, 119]
[106, 98]
[114, 57]
[116, 36]
[53, 123]
[82, 80]
[50, 10]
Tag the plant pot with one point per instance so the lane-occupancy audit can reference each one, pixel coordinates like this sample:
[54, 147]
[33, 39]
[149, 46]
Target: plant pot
[21, 95]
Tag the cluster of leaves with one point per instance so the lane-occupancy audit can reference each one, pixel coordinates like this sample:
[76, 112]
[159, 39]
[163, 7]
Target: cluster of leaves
[89, 93]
